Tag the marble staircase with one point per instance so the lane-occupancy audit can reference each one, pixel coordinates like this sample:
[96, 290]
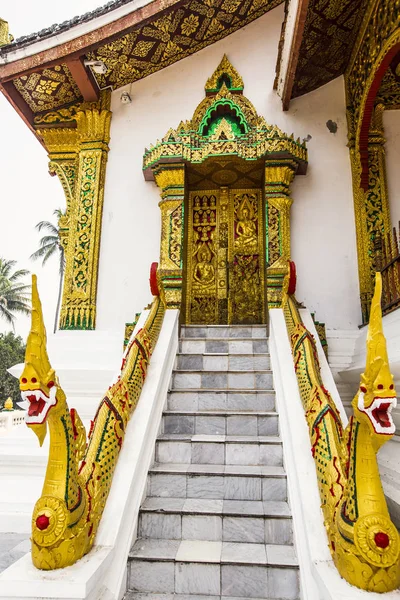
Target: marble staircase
[216, 523]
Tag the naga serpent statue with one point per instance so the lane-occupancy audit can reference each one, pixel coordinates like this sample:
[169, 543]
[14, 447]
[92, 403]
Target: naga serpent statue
[363, 541]
[79, 473]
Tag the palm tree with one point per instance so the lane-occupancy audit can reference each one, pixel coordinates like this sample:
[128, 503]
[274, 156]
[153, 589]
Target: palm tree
[50, 245]
[14, 295]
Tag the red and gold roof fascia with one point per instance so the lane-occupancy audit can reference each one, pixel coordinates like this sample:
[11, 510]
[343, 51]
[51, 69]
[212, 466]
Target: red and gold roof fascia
[133, 47]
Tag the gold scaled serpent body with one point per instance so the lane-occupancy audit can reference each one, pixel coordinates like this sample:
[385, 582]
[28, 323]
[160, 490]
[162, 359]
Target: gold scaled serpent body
[363, 541]
[78, 477]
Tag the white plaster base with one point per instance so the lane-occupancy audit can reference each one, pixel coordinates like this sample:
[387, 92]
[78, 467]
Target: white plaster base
[101, 574]
[319, 578]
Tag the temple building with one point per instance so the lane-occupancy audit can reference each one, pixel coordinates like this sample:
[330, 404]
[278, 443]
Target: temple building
[243, 154]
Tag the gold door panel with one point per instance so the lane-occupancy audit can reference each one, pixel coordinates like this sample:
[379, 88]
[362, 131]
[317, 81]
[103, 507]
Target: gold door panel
[225, 268]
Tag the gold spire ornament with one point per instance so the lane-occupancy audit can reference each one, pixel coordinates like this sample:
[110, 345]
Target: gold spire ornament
[79, 471]
[5, 36]
[8, 404]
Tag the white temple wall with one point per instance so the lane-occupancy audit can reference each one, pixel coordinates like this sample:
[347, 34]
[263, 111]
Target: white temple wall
[391, 123]
[323, 234]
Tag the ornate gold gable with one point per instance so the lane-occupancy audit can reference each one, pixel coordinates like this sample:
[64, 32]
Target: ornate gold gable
[225, 127]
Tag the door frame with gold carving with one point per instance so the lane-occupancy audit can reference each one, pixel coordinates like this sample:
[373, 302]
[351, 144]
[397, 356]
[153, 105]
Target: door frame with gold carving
[225, 127]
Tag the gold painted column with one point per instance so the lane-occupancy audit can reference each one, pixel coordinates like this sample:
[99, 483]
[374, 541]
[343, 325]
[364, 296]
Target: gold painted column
[170, 179]
[278, 177]
[79, 156]
[371, 208]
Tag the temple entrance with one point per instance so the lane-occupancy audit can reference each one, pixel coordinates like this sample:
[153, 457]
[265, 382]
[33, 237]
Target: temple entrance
[225, 267]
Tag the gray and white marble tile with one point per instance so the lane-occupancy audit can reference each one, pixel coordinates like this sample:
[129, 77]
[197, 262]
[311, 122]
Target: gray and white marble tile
[281, 555]
[260, 346]
[186, 381]
[271, 454]
[194, 505]
[240, 347]
[193, 346]
[242, 488]
[243, 529]
[216, 346]
[214, 380]
[202, 527]
[212, 400]
[201, 486]
[164, 504]
[215, 363]
[178, 423]
[210, 425]
[173, 452]
[183, 401]
[208, 453]
[244, 581]
[278, 531]
[283, 583]
[241, 381]
[199, 551]
[243, 507]
[160, 526]
[264, 381]
[274, 489]
[197, 578]
[242, 454]
[243, 553]
[149, 576]
[268, 425]
[190, 361]
[241, 425]
[155, 549]
[173, 486]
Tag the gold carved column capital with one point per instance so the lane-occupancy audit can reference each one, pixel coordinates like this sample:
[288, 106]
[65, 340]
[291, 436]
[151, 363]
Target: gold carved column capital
[78, 156]
[170, 179]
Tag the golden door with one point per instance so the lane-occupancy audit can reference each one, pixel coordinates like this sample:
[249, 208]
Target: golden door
[225, 267]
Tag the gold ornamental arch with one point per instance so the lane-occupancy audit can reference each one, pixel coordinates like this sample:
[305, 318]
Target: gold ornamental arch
[224, 178]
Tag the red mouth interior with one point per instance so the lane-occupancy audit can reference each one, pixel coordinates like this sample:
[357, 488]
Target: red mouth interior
[35, 406]
[381, 414]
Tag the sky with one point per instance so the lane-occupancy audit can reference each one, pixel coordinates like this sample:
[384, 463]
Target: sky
[27, 192]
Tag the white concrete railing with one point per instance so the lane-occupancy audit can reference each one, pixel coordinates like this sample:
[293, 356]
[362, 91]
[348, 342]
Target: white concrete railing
[319, 578]
[101, 574]
[10, 419]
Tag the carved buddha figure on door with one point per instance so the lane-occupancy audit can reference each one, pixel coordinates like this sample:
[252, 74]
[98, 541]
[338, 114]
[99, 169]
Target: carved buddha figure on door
[225, 257]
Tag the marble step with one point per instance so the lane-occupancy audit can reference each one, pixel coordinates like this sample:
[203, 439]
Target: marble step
[216, 520]
[235, 380]
[210, 400]
[222, 362]
[210, 569]
[218, 482]
[224, 331]
[219, 449]
[223, 346]
[221, 423]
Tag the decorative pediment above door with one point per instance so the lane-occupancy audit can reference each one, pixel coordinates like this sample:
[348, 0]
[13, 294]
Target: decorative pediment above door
[226, 144]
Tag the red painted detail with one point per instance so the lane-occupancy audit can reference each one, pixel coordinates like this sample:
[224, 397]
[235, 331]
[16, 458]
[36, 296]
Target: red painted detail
[24, 380]
[363, 389]
[72, 412]
[33, 380]
[153, 279]
[292, 278]
[90, 530]
[381, 539]
[50, 384]
[368, 110]
[380, 386]
[42, 522]
[391, 387]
